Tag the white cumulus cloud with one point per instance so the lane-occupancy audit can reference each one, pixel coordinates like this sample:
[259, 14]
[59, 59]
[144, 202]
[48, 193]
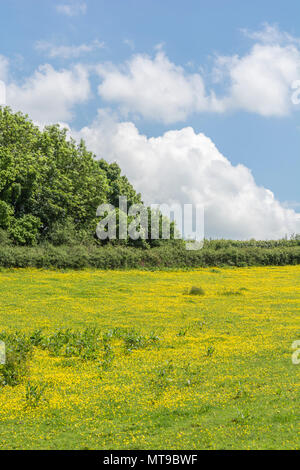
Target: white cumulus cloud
[155, 88]
[49, 95]
[259, 81]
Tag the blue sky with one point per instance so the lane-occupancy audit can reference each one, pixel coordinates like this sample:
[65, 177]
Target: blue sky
[105, 49]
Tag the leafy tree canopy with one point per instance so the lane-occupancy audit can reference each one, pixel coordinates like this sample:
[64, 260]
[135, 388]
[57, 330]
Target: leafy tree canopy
[49, 185]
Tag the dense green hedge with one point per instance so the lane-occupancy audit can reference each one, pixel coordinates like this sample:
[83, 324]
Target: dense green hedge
[117, 257]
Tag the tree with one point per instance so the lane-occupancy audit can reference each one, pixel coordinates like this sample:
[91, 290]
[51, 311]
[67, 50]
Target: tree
[50, 186]
[49, 177]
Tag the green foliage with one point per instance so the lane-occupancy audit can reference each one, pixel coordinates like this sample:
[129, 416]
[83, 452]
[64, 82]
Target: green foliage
[232, 292]
[182, 332]
[67, 343]
[168, 256]
[210, 350]
[63, 233]
[24, 231]
[36, 337]
[18, 353]
[6, 213]
[34, 394]
[196, 291]
[118, 184]
[134, 340]
[108, 355]
[163, 377]
[4, 238]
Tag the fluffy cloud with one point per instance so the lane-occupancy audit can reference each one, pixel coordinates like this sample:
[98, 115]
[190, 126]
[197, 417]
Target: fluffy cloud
[185, 167]
[49, 95]
[155, 88]
[72, 9]
[259, 81]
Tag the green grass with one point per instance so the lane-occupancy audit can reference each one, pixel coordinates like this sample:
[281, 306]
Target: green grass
[145, 366]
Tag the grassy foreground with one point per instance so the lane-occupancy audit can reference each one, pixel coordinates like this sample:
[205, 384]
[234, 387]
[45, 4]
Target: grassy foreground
[175, 371]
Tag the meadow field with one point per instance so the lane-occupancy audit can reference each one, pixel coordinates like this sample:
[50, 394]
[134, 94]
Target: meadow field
[133, 360]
